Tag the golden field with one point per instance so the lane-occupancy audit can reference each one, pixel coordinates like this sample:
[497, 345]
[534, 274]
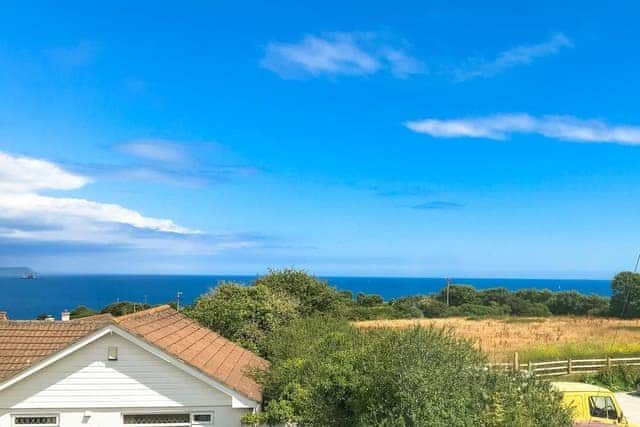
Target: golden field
[536, 339]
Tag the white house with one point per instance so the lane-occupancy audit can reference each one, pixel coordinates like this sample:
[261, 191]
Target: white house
[151, 368]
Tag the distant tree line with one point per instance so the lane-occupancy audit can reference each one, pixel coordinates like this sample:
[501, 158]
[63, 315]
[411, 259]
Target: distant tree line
[325, 372]
[119, 308]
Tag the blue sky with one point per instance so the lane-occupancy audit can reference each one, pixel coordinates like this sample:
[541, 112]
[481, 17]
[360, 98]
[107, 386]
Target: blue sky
[411, 139]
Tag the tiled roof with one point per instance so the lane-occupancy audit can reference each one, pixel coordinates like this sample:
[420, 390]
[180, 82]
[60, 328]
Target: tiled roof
[198, 346]
[23, 343]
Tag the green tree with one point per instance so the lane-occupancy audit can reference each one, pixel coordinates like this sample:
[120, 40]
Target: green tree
[314, 296]
[82, 311]
[121, 308]
[245, 314]
[625, 298]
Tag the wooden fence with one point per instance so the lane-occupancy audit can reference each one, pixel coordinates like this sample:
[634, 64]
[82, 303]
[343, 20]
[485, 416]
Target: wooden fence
[565, 367]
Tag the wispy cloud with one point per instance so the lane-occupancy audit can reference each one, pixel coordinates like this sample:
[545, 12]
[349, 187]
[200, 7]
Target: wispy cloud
[174, 163]
[501, 126]
[158, 150]
[339, 53]
[520, 55]
[29, 217]
[77, 55]
[438, 205]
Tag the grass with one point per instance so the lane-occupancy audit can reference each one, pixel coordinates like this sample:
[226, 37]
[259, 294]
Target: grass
[537, 339]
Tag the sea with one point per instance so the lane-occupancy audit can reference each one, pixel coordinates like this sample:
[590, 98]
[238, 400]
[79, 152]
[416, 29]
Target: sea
[51, 294]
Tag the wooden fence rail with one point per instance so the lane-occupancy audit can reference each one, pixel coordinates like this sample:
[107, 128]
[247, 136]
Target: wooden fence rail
[565, 367]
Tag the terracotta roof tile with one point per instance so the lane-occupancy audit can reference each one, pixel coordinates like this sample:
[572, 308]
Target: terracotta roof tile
[200, 347]
[23, 343]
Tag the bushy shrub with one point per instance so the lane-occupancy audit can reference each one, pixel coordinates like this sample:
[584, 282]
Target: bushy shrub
[428, 306]
[460, 294]
[245, 314]
[369, 300]
[326, 373]
[540, 296]
[617, 378]
[575, 303]
[383, 311]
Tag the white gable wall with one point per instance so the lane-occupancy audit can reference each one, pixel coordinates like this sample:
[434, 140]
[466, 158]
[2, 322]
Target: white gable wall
[137, 381]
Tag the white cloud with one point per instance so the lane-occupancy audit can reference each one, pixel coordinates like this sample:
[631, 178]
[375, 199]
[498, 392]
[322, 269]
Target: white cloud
[28, 215]
[156, 150]
[28, 174]
[338, 53]
[520, 55]
[501, 126]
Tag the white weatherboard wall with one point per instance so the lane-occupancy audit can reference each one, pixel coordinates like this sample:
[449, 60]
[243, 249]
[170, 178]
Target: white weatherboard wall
[138, 382]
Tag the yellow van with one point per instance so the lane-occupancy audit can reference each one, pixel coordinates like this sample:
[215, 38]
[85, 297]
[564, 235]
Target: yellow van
[592, 405]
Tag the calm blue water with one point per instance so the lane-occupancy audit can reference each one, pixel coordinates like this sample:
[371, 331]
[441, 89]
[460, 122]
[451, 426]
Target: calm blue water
[25, 299]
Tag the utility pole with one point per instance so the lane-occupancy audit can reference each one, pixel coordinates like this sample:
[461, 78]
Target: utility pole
[448, 283]
[178, 296]
[635, 270]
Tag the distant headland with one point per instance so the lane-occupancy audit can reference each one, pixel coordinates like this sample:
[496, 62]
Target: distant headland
[23, 272]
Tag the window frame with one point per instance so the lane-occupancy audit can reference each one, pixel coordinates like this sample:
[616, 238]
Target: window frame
[203, 423]
[15, 416]
[607, 399]
[181, 424]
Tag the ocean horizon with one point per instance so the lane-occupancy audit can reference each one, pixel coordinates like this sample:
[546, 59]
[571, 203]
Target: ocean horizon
[53, 293]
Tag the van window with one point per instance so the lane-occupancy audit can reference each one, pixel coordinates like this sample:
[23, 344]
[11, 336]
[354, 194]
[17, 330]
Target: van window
[602, 407]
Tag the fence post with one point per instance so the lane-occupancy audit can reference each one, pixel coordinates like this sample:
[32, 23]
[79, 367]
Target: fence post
[569, 366]
[530, 368]
[516, 362]
[608, 362]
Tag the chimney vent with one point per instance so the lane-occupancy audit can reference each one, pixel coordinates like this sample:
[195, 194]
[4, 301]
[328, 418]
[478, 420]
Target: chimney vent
[3, 316]
[65, 316]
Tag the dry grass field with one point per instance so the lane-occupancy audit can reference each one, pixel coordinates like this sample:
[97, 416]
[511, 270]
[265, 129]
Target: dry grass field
[537, 339]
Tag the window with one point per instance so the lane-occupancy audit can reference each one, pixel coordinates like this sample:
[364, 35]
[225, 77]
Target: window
[202, 419]
[602, 407]
[35, 420]
[158, 419]
[112, 353]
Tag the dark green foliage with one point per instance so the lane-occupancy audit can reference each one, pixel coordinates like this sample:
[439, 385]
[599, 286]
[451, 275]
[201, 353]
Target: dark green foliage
[369, 300]
[460, 294]
[347, 295]
[383, 311]
[500, 296]
[617, 378]
[327, 373]
[625, 299]
[575, 303]
[82, 311]
[245, 314]
[418, 306]
[124, 307]
[540, 296]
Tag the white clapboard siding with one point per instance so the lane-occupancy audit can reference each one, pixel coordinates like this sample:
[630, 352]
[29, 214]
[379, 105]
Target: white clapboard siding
[223, 416]
[86, 379]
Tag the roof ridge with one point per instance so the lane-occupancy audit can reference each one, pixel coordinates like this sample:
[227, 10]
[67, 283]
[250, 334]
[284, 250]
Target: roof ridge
[142, 313]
